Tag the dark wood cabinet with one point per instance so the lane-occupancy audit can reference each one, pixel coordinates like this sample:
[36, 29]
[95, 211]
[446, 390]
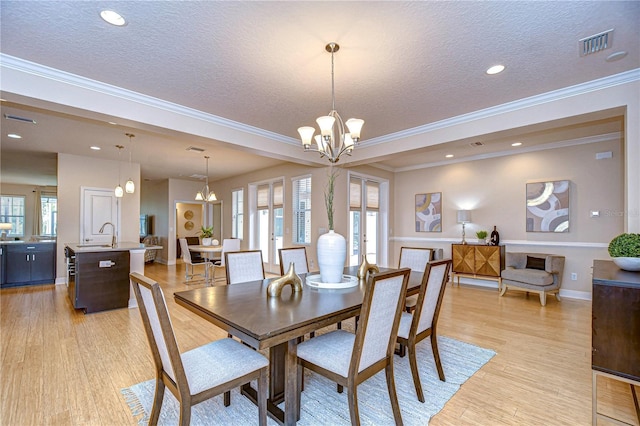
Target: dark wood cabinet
[100, 280]
[615, 328]
[616, 320]
[29, 263]
[477, 261]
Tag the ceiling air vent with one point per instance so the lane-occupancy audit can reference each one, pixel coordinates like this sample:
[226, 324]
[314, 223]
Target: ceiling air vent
[195, 149]
[15, 117]
[475, 144]
[595, 43]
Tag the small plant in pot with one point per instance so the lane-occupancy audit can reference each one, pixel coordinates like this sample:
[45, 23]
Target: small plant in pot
[625, 251]
[206, 232]
[482, 235]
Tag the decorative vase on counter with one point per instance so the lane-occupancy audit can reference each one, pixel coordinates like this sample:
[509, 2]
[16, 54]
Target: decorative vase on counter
[206, 241]
[332, 254]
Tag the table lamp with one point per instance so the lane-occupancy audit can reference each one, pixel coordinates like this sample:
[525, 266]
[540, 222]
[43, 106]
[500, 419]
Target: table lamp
[464, 217]
[5, 228]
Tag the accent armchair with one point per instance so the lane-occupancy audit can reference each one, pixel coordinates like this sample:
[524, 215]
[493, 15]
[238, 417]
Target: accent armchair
[533, 272]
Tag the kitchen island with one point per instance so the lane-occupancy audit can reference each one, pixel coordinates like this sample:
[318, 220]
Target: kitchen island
[98, 274]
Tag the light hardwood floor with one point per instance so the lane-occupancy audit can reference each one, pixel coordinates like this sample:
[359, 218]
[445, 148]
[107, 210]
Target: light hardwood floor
[61, 367]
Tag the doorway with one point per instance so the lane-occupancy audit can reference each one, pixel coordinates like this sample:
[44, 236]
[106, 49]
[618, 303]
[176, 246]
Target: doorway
[368, 220]
[267, 221]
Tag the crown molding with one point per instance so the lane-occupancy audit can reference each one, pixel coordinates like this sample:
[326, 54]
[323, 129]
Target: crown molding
[543, 98]
[21, 65]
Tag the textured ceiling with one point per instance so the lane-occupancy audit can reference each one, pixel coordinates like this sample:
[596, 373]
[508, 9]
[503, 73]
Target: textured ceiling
[263, 64]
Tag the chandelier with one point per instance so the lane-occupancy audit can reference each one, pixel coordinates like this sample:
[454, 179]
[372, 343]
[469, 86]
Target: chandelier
[332, 141]
[205, 194]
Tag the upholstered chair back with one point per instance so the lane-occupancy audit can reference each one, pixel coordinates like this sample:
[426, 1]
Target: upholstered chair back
[415, 258]
[379, 316]
[243, 266]
[435, 279]
[298, 256]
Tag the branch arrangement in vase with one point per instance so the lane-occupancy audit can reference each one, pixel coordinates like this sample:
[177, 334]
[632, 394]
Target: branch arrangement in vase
[328, 196]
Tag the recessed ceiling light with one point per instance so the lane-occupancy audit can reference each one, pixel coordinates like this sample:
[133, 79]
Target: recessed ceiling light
[14, 136]
[114, 18]
[112, 123]
[516, 144]
[616, 56]
[495, 69]
[449, 156]
[95, 148]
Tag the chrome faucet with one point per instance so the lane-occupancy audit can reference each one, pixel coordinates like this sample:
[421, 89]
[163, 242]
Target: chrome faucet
[113, 233]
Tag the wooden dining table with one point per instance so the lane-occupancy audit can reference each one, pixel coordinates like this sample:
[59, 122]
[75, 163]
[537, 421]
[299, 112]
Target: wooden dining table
[278, 323]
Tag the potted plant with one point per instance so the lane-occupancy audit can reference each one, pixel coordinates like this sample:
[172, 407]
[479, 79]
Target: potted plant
[206, 232]
[625, 251]
[482, 236]
[332, 247]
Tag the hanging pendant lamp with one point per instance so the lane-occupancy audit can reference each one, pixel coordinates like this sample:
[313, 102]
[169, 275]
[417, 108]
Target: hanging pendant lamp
[205, 194]
[130, 187]
[119, 191]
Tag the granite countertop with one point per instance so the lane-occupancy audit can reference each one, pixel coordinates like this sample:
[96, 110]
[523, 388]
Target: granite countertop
[122, 246]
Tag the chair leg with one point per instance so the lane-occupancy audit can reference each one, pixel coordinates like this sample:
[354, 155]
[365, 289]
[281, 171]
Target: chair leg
[262, 397]
[352, 397]
[185, 413]
[227, 398]
[157, 403]
[393, 396]
[504, 290]
[436, 355]
[339, 388]
[402, 350]
[557, 294]
[413, 363]
[543, 298]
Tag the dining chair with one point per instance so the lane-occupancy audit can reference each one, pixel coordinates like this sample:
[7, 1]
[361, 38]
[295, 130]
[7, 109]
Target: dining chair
[228, 244]
[190, 264]
[424, 320]
[349, 359]
[416, 259]
[243, 266]
[297, 255]
[201, 373]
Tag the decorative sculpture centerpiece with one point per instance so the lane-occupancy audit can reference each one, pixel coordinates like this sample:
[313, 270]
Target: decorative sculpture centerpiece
[332, 247]
[290, 278]
[366, 268]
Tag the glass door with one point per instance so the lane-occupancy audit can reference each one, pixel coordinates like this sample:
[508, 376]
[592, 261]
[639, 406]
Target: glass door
[269, 229]
[364, 220]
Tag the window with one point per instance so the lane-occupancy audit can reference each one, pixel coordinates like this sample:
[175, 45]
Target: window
[49, 212]
[302, 210]
[237, 215]
[12, 211]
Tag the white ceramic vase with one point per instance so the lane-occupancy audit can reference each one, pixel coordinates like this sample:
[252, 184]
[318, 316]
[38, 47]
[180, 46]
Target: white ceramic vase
[332, 254]
[206, 241]
[631, 264]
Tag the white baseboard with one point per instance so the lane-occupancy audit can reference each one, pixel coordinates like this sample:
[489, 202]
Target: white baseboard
[569, 294]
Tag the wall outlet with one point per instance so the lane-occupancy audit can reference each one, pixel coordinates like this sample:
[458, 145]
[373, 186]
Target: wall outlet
[574, 276]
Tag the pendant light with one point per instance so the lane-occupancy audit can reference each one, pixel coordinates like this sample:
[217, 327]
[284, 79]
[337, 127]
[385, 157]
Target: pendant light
[119, 191]
[205, 194]
[130, 187]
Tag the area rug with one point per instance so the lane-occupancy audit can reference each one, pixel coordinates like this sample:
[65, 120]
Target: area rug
[322, 405]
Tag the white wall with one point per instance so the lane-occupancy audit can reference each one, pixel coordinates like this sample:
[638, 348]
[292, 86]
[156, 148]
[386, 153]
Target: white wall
[75, 171]
[154, 199]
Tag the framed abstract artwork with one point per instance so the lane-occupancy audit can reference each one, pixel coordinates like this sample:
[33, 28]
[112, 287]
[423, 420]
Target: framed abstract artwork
[548, 206]
[429, 212]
